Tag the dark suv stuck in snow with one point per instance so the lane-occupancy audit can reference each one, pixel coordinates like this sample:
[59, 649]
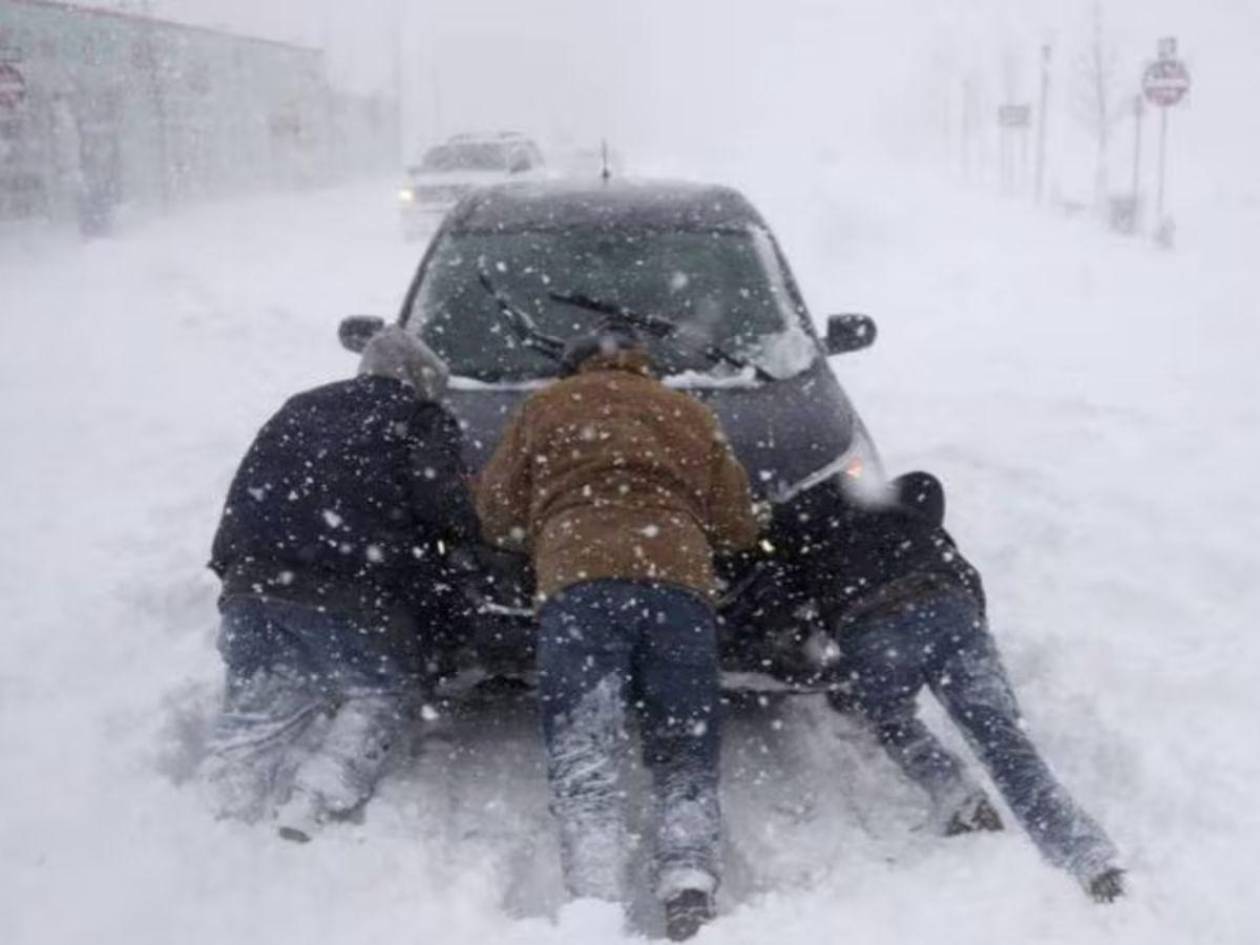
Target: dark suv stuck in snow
[515, 269]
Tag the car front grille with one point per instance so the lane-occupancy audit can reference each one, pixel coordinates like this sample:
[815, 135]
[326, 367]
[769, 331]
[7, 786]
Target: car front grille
[441, 193]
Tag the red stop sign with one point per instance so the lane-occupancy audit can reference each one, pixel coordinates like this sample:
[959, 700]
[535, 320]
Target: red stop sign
[1165, 82]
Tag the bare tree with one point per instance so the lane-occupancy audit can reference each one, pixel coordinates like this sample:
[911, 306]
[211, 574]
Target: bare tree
[1096, 76]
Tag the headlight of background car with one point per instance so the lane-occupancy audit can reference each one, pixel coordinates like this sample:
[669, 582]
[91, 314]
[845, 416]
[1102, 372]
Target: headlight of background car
[407, 195]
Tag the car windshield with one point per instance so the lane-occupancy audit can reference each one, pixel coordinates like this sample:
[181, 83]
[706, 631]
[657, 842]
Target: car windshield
[721, 287]
[485, 156]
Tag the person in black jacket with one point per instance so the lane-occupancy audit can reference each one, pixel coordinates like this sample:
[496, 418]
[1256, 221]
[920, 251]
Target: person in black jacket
[909, 613]
[337, 598]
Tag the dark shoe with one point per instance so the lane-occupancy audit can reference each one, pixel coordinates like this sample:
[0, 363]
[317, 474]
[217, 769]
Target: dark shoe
[1107, 886]
[686, 912]
[300, 818]
[976, 814]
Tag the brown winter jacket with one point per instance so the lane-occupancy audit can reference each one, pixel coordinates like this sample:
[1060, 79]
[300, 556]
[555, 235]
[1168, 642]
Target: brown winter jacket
[610, 474]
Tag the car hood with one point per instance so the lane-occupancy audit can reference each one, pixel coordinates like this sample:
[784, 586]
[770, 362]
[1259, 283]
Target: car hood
[783, 432]
[468, 179]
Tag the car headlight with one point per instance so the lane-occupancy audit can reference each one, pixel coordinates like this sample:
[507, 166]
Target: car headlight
[860, 462]
[407, 195]
[858, 468]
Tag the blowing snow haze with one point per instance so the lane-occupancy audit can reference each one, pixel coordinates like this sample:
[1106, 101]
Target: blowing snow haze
[708, 77]
[199, 199]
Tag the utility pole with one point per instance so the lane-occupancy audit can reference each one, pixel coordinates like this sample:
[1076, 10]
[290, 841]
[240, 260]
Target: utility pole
[400, 120]
[968, 126]
[1099, 73]
[1138, 112]
[1041, 121]
[435, 83]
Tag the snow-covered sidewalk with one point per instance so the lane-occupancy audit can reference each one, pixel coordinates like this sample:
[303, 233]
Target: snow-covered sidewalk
[1088, 401]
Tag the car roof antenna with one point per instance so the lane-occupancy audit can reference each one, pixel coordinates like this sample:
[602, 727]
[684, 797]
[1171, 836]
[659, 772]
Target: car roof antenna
[605, 173]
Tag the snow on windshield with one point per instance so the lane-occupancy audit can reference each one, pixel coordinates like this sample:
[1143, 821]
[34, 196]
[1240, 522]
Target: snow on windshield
[724, 289]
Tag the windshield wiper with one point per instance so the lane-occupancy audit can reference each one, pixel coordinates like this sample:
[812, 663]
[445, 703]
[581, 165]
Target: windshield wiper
[660, 327]
[655, 325]
[522, 325]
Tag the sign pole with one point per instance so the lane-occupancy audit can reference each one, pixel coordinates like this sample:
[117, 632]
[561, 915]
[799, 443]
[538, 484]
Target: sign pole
[1163, 147]
[1041, 120]
[1006, 160]
[1164, 83]
[1137, 154]
[1014, 120]
[1023, 158]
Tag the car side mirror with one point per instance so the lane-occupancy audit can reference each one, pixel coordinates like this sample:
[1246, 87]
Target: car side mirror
[518, 163]
[356, 331]
[851, 332]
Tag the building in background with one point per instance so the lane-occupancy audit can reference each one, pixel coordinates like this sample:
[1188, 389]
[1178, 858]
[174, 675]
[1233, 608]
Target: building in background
[100, 108]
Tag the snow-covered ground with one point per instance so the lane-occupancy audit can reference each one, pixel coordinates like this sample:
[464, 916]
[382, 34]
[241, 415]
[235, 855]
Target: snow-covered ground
[1089, 402]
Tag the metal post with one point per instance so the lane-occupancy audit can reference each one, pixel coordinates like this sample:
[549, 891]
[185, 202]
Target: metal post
[1007, 160]
[400, 113]
[1163, 145]
[435, 83]
[968, 129]
[1041, 121]
[1023, 157]
[1137, 155]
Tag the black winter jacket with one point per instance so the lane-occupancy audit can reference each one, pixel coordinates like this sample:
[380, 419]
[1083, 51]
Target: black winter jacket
[859, 559]
[346, 498]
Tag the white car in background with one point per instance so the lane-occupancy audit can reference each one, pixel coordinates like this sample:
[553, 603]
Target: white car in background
[448, 171]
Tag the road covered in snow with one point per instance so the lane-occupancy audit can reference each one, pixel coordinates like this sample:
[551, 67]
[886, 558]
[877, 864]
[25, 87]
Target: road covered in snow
[1089, 402]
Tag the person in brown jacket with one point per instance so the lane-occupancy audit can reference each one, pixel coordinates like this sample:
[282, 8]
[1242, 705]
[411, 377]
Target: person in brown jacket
[621, 489]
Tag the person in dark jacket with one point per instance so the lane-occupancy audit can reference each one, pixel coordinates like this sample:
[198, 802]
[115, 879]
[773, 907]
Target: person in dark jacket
[620, 489]
[336, 596]
[910, 614]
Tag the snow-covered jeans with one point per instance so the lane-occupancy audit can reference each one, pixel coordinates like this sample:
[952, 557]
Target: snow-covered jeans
[602, 645]
[287, 666]
[943, 642]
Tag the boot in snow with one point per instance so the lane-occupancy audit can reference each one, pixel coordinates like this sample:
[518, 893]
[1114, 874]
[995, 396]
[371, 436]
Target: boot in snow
[685, 912]
[977, 813]
[237, 785]
[246, 764]
[591, 858]
[341, 774]
[1107, 886]
[300, 818]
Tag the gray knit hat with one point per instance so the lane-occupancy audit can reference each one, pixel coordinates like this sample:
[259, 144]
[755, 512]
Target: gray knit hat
[395, 352]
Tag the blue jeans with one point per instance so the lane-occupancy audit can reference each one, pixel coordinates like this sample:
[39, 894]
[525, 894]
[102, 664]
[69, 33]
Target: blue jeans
[943, 642]
[286, 665]
[326, 652]
[602, 644]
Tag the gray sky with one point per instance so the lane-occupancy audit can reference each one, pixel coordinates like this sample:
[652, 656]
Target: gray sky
[712, 76]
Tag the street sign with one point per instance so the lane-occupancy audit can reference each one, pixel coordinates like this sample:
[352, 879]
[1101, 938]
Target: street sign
[1165, 82]
[12, 87]
[1014, 116]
